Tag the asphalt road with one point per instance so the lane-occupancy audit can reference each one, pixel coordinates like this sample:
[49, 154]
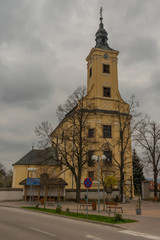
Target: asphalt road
[19, 224]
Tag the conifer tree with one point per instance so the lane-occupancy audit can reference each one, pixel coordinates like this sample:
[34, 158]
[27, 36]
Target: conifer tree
[138, 176]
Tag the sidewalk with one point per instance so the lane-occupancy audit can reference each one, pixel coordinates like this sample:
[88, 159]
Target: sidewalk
[148, 222]
[149, 209]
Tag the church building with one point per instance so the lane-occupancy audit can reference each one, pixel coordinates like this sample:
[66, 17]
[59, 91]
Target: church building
[96, 127]
[107, 126]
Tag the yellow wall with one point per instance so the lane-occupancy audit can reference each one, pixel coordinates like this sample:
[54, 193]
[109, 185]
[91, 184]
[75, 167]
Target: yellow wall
[20, 172]
[99, 79]
[97, 123]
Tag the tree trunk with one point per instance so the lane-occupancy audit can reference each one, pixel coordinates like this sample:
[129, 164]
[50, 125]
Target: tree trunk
[78, 190]
[44, 196]
[121, 171]
[121, 185]
[121, 190]
[155, 185]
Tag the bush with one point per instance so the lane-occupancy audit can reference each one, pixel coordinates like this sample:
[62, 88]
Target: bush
[58, 209]
[116, 198]
[118, 217]
[67, 210]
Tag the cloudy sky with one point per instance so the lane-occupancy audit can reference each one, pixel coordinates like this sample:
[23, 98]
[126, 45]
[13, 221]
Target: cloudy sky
[43, 46]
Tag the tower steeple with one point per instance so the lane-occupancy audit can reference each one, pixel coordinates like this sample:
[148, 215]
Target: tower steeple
[102, 80]
[101, 35]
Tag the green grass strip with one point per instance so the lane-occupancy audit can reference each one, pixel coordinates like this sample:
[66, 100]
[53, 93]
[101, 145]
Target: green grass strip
[98, 218]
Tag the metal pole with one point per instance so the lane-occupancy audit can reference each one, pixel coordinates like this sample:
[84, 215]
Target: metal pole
[131, 187]
[30, 191]
[98, 186]
[73, 152]
[103, 200]
[87, 202]
[31, 186]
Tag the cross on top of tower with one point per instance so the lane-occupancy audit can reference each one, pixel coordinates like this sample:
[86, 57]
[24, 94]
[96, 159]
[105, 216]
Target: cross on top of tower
[100, 12]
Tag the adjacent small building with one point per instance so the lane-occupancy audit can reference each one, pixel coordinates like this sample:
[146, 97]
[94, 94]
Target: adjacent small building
[34, 163]
[28, 172]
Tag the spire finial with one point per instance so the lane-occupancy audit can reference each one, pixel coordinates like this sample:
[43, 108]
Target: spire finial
[100, 12]
[32, 146]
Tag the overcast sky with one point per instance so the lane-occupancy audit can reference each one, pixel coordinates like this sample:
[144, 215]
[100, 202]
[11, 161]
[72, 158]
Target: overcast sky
[43, 46]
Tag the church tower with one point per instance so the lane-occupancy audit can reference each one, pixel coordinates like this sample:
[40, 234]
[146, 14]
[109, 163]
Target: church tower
[110, 122]
[102, 77]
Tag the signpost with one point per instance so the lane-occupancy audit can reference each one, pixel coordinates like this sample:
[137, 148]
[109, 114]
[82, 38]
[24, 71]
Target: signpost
[87, 184]
[31, 182]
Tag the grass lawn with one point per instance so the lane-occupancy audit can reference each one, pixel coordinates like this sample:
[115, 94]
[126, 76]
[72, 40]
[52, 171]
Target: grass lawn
[98, 218]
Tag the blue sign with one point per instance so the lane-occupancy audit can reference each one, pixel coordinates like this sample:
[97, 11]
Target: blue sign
[32, 181]
[87, 182]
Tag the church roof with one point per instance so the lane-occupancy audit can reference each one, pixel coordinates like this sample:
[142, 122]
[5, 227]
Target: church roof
[48, 156]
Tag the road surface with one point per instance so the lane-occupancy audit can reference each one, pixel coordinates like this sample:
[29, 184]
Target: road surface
[20, 224]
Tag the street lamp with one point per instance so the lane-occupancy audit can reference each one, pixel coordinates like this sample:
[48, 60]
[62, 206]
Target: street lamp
[31, 170]
[98, 159]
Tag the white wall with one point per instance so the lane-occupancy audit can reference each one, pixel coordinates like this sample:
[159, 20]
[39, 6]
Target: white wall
[92, 195]
[52, 191]
[11, 194]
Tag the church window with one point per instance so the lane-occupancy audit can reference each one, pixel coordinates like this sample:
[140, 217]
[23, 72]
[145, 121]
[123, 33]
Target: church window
[106, 92]
[107, 131]
[108, 155]
[91, 132]
[90, 160]
[90, 72]
[106, 68]
[91, 175]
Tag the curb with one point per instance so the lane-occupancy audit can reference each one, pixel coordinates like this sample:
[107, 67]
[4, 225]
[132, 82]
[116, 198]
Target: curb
[77, 219]
[9, 206]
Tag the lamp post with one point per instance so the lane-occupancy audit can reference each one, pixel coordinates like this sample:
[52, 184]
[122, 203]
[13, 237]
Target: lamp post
[31, 170]
[97, 158]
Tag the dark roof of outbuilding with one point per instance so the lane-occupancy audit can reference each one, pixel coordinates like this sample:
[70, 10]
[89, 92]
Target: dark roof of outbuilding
[51, 182]
[48, 156]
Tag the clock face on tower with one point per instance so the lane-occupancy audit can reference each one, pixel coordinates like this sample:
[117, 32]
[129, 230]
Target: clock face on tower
[106, 56]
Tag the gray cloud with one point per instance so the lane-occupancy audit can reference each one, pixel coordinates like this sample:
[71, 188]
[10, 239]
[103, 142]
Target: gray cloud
[141, 51]
[26, 85]
[43, 46]
[155, 81]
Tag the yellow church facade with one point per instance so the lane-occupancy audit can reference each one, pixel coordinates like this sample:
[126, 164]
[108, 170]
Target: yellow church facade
[108, 121]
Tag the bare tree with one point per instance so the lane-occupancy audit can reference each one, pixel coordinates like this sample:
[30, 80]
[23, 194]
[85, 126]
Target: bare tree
[2, 175]
[48, 167]
[44, 178]
[5, 176]
[127, 118]
[149, 140]
[71, 136]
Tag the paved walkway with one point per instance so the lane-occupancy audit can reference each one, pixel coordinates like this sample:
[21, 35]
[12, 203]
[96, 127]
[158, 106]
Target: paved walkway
[148, 221]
